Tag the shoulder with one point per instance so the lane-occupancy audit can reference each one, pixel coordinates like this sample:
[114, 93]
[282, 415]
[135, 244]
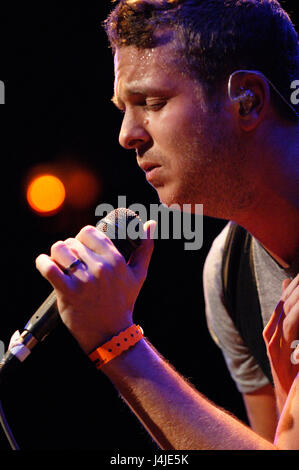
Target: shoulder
[216, 313]
[242, 366]
[213, 262]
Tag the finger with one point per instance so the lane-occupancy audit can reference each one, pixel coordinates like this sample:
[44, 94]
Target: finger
[292, 300]
[277, 316]
[62, 254]
[95, 240]
[88, 256]
[141, 257]
[276, 342]
[285, 284]
[291, 325]
[51, 271]
[290, 287]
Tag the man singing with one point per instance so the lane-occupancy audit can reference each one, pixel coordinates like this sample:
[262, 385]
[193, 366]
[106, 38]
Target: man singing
[205, 87]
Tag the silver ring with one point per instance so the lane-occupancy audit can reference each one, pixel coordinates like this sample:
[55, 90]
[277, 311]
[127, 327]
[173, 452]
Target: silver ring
[73, 266]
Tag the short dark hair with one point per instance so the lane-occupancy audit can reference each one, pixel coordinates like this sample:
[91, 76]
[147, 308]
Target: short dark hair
[217, 37]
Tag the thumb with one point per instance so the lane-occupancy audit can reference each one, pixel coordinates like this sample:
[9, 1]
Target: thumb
[141, 257]
[285, 284]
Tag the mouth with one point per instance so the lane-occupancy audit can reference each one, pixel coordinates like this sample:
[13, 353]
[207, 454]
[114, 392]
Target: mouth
[153, 175]
[152, 172]
[147, 167]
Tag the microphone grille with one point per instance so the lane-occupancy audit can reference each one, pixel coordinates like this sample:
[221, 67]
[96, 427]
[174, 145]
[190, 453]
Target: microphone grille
[115, 225]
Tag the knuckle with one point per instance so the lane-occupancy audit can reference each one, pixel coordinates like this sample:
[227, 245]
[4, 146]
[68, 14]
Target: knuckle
[106, 238]
[103, 238]
[87, 230]
[56, 247]
[118, 260]
[70, 241]
[99, 268]
[289, 329]
[287, 307]
[88, 279]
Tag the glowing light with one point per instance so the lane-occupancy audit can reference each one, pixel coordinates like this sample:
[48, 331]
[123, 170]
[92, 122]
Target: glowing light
[82, 186]
[46, 194]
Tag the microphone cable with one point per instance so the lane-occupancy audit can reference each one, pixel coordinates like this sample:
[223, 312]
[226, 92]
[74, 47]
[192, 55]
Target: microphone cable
[7, 431]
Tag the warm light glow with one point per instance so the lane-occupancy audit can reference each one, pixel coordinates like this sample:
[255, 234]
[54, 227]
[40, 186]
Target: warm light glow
[82, 188]
[45, 194]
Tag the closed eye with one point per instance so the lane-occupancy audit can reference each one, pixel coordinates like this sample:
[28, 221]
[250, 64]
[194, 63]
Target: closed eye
[148, 104]
[151, 105]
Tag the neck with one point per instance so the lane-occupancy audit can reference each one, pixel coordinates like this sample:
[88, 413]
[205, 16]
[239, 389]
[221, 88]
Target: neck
[274, 222]
[273, 219]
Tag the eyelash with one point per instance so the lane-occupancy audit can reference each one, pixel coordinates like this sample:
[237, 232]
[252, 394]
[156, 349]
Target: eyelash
[149, 107]
[154, 106]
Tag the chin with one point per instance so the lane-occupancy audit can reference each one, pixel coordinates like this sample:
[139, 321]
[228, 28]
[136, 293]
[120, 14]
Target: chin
[169, 198]
[166, 196]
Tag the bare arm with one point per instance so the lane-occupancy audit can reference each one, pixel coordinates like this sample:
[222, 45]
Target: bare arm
[96, 303]
[175, 414]
[262, 411]
[287, 435]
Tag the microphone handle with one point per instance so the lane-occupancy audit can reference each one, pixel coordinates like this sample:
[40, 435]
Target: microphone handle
[42, 322]
[45, 319]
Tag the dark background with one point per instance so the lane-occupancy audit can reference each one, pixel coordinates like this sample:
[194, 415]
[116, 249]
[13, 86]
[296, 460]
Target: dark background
[58, 74]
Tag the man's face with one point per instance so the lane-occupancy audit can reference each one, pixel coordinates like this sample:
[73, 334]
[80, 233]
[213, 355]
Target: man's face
[179, 141]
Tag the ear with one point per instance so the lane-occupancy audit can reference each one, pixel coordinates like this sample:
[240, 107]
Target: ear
[250, 96]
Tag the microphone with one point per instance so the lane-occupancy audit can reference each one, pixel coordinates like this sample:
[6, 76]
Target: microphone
[46, 318]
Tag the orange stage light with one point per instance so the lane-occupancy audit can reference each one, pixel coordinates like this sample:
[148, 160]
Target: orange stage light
[46, 194]
[82, 187]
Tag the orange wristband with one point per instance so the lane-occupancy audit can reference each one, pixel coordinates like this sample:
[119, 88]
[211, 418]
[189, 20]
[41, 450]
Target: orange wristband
[117, 345]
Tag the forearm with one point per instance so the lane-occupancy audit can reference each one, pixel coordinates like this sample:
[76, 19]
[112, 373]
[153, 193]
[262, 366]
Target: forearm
[287, 434]
[172, 411]
[262, 411]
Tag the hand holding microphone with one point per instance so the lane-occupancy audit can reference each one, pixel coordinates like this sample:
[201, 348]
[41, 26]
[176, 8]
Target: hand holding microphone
[96, 298]
[96, 283]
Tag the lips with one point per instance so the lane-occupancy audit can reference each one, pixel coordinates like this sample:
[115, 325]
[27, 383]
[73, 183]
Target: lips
[152, 172]
[148, 166]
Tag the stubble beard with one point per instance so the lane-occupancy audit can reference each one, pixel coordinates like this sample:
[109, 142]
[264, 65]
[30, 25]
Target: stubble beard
[214, 175]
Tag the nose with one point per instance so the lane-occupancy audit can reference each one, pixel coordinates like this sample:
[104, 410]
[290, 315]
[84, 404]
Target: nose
[133, 133]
